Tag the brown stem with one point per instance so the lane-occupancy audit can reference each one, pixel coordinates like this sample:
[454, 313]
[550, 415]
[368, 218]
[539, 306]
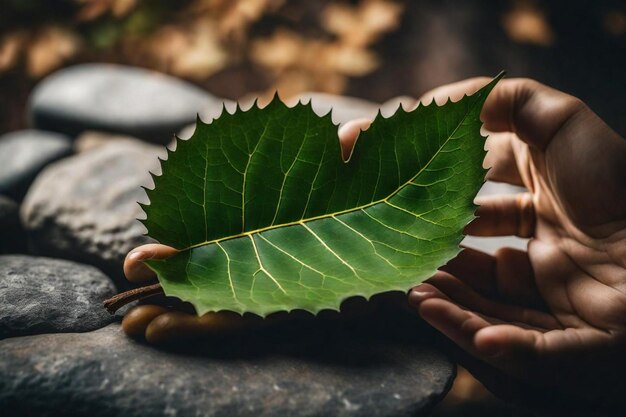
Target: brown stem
[117, 301]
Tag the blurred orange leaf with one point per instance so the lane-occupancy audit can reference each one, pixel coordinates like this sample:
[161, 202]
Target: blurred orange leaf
[193, 52]
[10, 46]
[527, 23]
[49, 49]
[93, 9]
[363, 24]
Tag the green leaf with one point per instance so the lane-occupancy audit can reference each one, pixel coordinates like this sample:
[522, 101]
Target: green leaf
[268, 217]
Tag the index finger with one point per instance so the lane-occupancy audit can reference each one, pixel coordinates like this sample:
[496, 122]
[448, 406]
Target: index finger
[533, 111]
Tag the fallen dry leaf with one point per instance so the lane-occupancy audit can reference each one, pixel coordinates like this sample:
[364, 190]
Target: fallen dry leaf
[50, 48]
[93, 9]
[527, 23]
[363, 24]
[10, 47]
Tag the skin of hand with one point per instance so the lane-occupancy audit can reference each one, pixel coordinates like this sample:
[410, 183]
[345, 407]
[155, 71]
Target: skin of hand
[552, 316]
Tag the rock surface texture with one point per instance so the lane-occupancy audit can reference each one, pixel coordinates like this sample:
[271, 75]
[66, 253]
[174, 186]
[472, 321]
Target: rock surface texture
[103, 373]
[42, 295]
[114, 98]
[84, 208]
[23, 154]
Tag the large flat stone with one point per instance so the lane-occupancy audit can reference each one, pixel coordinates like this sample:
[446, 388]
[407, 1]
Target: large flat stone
[299, 370]
[115, 98]
[42, 295]
[84, 208]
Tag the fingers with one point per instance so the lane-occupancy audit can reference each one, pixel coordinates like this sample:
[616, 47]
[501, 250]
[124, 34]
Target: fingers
[463, 295]
[502, 149]
[477, 269]
[159, 325]
[508, 339]
[137, 320]
[504, 215]
[176, 326]
[348, 134]
[525, 107]
[509, 348]
[457, 324]
[507, 276]
[134, 268]
[515, 278]
[533, 111]
[463, 326]
[455, 91]
[502, 146]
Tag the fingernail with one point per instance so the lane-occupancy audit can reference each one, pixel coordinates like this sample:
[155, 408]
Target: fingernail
[139, 255]
[416, 296]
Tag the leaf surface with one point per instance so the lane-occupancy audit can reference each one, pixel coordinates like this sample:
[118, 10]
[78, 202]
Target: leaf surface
[268, 217]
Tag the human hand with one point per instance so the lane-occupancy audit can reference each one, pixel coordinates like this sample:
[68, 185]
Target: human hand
[524, 313]
[554, 316]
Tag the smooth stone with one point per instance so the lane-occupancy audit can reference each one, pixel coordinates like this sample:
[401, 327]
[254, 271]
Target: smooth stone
[92, 139]
[343, 108]
[12, 236]
[23, 154]
[391, 106]
[115, 98]
[207, 116]
[84, 208]
[43, 295]
[298, 371]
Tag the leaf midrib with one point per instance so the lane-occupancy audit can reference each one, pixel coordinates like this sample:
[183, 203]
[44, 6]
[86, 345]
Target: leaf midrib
[330, 215]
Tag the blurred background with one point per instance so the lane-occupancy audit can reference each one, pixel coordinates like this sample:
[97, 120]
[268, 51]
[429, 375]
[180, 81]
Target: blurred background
[371, 49]
[374, 49]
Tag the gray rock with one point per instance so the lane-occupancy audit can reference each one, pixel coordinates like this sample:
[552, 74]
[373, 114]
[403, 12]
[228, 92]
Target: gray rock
[389, 107]
[91, 139]
[12, 235]
[42, 295]
[84, 208]
[115, 98]
[328, 373]
[23, 154]
[343, 108]
[207, 116]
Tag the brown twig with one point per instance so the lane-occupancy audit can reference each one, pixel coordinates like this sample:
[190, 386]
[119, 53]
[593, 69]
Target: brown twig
[116, 302]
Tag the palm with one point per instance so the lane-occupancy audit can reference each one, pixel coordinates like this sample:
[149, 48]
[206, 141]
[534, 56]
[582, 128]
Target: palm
[552, 314]
[568, 256]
